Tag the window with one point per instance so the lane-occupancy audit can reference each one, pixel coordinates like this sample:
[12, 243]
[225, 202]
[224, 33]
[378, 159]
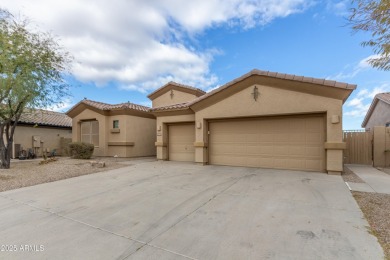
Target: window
[387, 124]
[115, 124]
[90, 132]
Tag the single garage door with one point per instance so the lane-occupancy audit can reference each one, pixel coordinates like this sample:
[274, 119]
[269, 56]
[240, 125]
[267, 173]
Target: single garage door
[295, 142]
[181, 140]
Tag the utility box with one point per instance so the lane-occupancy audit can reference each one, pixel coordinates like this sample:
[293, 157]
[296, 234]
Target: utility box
[36, 140]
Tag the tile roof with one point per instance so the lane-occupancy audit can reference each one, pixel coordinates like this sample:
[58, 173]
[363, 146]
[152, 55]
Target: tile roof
[105, 106]
[385, 97]
[179, 106]
[178, 85]
[45, 117]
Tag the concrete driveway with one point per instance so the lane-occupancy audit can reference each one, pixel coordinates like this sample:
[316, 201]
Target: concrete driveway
[167, 210]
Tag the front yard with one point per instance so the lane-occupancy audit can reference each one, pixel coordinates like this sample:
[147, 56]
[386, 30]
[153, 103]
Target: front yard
[30, 172]
[376, 209]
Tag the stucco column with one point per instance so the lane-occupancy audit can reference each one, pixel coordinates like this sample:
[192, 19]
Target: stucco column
[334, 142]
[161, 140]
[201, 141]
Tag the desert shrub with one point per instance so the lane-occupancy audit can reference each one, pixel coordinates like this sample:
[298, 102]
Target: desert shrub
[79, 150]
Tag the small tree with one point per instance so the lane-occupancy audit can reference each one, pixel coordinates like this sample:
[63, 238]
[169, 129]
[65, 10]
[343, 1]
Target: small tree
[32, 65]
[373, 16]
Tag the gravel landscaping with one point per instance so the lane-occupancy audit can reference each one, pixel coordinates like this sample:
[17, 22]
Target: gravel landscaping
[376, 209]
[30, 172]
[350, 176]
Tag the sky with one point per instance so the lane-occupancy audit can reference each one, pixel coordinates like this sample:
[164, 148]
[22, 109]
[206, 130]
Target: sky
[124, 49]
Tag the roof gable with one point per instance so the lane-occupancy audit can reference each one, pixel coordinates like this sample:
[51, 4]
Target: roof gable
[385, 97]
[175, 86]
[315, 86]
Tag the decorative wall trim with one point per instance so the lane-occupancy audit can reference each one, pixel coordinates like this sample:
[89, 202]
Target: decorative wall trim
[200, 144]
[120, 143]
[335, 146]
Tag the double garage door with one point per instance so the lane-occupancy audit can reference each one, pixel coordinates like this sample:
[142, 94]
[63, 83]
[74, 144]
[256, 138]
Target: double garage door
[295, 142]
[283, 143]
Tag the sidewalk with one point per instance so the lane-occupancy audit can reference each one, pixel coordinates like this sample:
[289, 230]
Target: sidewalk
[375, 180]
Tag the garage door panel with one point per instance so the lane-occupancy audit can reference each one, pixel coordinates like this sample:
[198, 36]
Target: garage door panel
[313, 164]
[281, 138]
[297, 125]
[280, 163]
[314, 137]
[283, 143]
[314, 124]
[295, 163]
[259, 162]
[252, 137]
[297, 150]
[266, 149]
[313, 151]
[281, 150]
[297, 138]
[181, 142]
[229, 158]
[185, 148]
[266, 137]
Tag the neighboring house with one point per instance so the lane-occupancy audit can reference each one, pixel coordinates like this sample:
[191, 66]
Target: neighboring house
[379, 112]
[261, 119]
[41, 130]
[124, 130]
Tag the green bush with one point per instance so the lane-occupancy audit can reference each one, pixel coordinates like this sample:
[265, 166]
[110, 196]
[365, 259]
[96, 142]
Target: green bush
[79, 150]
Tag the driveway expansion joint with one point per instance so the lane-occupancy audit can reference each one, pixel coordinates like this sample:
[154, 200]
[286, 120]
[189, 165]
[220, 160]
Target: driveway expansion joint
[233, 180]
[97, 228]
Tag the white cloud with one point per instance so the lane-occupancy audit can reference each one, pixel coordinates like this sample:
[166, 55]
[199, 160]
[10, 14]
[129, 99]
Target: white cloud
[355, 102]
[351, 71]
[146, 103]
[364, 63]
[62, 107]
[362, 93]
[359, 105]
[141, 45]
[338, 7]
[380, 89]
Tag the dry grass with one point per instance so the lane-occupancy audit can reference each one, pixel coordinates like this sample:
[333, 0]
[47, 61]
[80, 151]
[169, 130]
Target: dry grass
[29, 173]
[350, 176]
[376, 209]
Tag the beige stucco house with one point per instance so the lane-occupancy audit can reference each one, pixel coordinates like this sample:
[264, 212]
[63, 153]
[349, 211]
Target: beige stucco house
[261, 119]
[379, 112]
[124, 130]
[41, 130]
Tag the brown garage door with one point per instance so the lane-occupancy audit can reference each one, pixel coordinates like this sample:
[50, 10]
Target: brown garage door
[181, 142]
[284, 143]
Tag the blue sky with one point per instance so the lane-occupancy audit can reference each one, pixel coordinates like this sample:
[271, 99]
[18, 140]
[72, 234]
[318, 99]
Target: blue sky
[123, 50]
